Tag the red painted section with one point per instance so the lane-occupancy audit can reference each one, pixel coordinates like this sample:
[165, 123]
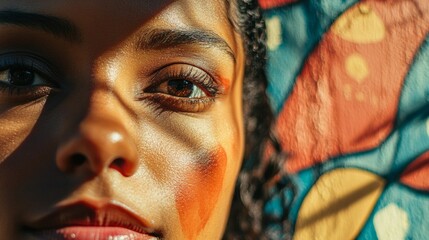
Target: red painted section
[328, 112]
[416, 174]
[199, 192]
[266, 4]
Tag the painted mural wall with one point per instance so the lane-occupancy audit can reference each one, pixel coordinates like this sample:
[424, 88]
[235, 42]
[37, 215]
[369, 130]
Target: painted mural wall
[350, 83]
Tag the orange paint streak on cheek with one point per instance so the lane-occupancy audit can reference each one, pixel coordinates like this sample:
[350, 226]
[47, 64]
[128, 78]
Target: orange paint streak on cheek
[199, 192]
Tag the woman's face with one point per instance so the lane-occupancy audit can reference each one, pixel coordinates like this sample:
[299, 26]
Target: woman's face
[118, 118]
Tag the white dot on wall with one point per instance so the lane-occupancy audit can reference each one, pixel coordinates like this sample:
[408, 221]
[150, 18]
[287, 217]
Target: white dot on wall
[391, 222]
[274, 32]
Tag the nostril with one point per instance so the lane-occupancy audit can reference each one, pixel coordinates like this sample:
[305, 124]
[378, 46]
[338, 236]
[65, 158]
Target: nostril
[77, 159]
[123, 166]
[118, 163]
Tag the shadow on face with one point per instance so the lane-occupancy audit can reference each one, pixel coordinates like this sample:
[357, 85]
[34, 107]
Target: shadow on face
[118, 119]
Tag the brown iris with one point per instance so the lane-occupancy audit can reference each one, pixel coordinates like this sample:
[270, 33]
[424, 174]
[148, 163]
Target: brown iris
[21, 77]
[180, 88]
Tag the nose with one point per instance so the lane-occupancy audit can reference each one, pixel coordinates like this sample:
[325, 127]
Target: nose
[101, 143]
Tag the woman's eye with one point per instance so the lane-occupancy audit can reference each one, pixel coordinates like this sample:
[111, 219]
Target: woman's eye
[20, 77]
[181, 88]
[23, 80]
[25, 76]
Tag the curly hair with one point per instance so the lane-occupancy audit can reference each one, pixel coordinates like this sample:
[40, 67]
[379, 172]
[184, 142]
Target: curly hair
[257, 176]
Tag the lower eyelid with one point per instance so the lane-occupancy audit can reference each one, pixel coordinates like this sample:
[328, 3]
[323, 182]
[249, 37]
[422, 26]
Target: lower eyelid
[164, 102]
[19, 95]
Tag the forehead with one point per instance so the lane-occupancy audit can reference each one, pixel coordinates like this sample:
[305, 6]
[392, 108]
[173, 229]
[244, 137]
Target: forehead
[205, 11]
[98, 20]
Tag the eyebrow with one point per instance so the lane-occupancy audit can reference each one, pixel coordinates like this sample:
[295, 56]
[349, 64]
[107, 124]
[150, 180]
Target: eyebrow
[170, 38]
[57, 26]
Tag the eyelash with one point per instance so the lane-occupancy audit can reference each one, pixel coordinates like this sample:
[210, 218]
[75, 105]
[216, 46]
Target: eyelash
[165, 102]
[160, 100]
[30, 63]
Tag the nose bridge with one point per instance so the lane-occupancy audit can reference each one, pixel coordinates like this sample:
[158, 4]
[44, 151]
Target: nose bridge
[101, 139]
[103, 133]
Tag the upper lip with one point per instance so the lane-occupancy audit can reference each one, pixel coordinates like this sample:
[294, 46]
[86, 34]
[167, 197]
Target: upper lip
[84, 214]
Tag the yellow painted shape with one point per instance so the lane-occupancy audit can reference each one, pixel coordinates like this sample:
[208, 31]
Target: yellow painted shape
[338, 205]
[357, 67]
[360, 25]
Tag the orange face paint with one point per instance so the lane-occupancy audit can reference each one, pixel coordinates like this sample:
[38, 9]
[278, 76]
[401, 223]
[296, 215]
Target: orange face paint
[199, 192]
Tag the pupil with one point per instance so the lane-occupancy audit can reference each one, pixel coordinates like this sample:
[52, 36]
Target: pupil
[180, 88]
[21, 77]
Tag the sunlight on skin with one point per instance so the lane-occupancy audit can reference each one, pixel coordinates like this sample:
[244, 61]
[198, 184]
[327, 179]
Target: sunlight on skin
[24, 118]
[110, 132]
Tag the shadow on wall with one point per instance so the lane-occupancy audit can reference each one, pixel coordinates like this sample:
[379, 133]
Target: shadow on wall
[349, 81]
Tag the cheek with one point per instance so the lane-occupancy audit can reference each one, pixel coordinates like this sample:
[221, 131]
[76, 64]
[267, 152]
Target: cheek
[199, 192]
[16, 124]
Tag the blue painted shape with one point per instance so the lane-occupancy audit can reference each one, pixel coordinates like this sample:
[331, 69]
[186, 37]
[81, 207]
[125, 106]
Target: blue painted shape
[415, 92]
[303, 181]
[288, 199]
[303, 25]
[291, 199]
[413, 112]
[378, 161]
[391, 158]
[274, 207]
[414, 141]
[413, 202]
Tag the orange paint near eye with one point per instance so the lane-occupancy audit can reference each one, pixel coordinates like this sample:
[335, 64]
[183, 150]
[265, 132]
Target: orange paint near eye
[198, 194]
[225, 85]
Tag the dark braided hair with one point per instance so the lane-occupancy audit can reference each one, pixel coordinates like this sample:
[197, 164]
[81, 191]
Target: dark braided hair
[256, 178]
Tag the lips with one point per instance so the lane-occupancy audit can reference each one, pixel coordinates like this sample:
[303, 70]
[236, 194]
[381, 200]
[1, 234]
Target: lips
[84, 221]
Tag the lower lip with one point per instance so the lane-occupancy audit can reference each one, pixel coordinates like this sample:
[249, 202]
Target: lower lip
[93, 233]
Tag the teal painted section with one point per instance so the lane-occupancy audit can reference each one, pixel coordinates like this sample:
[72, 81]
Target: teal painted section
[413, 203]
[303, 25]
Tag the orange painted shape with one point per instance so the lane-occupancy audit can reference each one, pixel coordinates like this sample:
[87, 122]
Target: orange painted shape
[345, 99]
[416, 175]
[197, 196]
